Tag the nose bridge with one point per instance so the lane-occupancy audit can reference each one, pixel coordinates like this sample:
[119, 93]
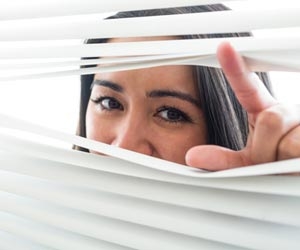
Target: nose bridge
[132, 134]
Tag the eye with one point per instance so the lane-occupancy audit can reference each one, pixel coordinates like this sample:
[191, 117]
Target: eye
[108, 103]
[172, 114]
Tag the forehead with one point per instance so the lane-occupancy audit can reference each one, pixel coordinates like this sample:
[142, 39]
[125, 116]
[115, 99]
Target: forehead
[179, 78]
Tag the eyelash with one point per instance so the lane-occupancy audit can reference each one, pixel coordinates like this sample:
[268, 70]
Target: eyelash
[183, 117]
[100, 99]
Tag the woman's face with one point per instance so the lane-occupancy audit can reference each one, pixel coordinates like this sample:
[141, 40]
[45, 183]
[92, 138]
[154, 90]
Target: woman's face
[153, 111]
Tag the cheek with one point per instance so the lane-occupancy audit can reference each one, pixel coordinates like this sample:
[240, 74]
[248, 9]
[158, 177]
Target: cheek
[175, 145]
[96, 128]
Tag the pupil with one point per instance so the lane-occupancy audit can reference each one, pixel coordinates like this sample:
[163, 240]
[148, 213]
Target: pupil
[113, 104]
[173, 115]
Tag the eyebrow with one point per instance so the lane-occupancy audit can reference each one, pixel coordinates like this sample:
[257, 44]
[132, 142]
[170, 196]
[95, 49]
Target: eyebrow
[152, 94]
[108, 84]
[176, 94]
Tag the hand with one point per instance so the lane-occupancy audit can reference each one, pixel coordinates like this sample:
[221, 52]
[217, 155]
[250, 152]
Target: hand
[274, 128]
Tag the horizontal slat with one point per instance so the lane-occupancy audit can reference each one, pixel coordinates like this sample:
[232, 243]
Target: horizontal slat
[121, 232]
[259, 60]
[218, 228]
[9, 242]
[256, 62]
[50, 236]
[263, 207]
[87, 169]
[106, 68]
[224, 22]
[65, 240]
[14, 65]
[200, 47]
[269, 49]
[18, 9]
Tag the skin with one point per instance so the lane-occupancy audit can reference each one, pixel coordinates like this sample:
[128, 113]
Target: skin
[274, 127]
[142, 123]
[153, 111]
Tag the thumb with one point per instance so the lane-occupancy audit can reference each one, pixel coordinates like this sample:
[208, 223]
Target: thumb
[215, 158]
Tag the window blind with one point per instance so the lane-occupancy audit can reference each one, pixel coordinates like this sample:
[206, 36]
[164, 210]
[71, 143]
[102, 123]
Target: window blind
[55, 198]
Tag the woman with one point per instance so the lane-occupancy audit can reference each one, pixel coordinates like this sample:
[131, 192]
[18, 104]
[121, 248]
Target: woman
[190, 115]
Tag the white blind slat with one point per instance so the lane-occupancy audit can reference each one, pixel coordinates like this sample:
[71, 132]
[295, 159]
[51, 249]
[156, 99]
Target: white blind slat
[199, 47]
[86, 169]
[9, 241]
[287, 57]
[220, 22]
[200, 224]
[50, 236]
[262, 54]
[178, 195]
[16, 9]
[256, 62]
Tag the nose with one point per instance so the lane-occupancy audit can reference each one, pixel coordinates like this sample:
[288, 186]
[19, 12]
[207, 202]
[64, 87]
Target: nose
[132, 134]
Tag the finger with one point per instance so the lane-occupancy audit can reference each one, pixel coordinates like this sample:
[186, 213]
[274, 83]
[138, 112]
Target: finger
[250, 91]
[289, 146]
[215, 158]
[272, 125]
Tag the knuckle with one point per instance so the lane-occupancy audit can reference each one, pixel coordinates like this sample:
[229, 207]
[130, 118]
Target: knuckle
[271, 119]
[289, 147]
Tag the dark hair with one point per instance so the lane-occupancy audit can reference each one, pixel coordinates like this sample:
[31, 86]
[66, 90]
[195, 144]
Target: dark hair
[226, 120]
